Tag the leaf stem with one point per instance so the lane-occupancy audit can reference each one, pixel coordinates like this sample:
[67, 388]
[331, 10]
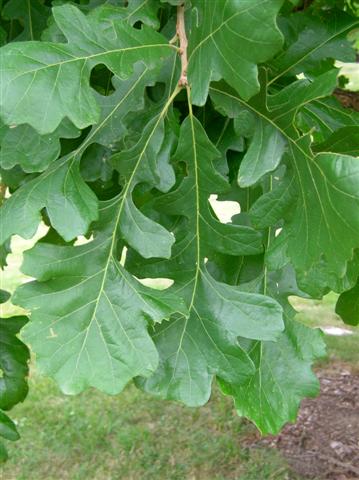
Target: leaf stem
[174, 39]
[196, 168]
[269, 235]
[181, 33]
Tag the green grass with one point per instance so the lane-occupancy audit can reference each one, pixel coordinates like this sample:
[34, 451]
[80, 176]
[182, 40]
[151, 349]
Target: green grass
[315, 313]
[134, 436]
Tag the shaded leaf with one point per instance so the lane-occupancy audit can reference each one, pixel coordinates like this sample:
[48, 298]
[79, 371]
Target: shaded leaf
[135, 11]
[348, 306]
[319, 280]
[345, 140]
[326, 218]
[325, 116]
[144, 163]
[50, 81]
[314, 39]
[14, 356]
[7, 428]
[283, 376]
[194, 349]
[90, 318]
[272, 206]
[22, 145]
[263, 155]
[69, 196]
[239, 32]
[32, 14]
[271, 397]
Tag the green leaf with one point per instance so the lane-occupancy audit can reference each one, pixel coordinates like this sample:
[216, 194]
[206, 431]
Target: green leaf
[271, 397]
[3, 453]
[136, 11]
[348, 306]
[90, 318]
[283, 377]
[263, 155]
[192, 350]
[50, 81]
[14, 356]
[96, 344]
[141, 163]
[319, 280]
[314, 39]
[7, 428]
[276, 256]
[239, 33]
[4, 252]
[345, 140]
[327, 210]
[99, 140]
[4, 296]
[325, 218]
[60, 188]
[22, 145]
[144, 11]
[32, 14]
[325, 116]
[109, 13]
[68, 197]
[270, 208]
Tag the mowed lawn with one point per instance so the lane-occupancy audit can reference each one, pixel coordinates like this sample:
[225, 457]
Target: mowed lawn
[134, 436]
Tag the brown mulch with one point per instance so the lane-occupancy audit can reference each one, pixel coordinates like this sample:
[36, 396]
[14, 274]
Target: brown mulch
[347, 99]
[324, 443]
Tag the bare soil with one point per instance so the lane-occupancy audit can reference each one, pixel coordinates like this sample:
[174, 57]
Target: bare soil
[324, 443]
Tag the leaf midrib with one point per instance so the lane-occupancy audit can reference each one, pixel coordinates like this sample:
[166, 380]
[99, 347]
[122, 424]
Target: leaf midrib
[72, 158]
[290, 139]
[224, 23]
[197, 236]
[317, 47]
[118, 218]
[293, 144]
[89, 57]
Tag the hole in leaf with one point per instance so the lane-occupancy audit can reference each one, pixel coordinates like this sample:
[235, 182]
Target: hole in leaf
[82, 240]
[138, 25]
[70, 144]
[224, 210]
[156, 92]
[101, 80]
[157, 283]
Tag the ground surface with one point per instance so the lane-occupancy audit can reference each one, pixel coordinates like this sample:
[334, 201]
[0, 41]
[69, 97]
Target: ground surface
[135, 437]
[324, 443]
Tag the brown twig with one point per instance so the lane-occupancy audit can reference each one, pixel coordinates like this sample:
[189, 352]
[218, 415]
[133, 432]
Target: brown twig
[303, 6]
[181, 33]
[3, 188]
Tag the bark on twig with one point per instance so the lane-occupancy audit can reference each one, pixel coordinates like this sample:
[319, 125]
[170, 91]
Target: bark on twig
[181, 33]
[3, 188]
